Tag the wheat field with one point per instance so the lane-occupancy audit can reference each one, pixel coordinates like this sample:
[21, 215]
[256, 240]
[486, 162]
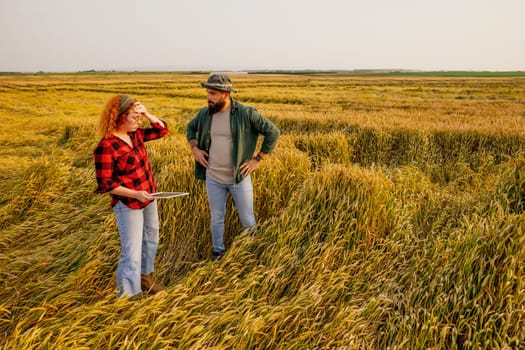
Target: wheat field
[390, 217]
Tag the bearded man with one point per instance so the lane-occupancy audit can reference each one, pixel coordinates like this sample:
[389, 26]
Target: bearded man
[223, 138]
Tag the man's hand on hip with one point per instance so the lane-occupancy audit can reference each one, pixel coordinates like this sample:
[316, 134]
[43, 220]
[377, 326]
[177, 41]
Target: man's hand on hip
[200, 156]
[249, 166]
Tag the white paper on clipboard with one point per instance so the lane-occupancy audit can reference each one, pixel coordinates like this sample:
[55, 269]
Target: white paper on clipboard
[159, 195]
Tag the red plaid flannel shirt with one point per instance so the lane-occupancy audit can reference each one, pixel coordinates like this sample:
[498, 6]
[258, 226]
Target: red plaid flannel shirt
[118, 164]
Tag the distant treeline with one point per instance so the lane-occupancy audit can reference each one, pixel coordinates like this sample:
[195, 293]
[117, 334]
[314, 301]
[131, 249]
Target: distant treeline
[357, 72]
[380, 72]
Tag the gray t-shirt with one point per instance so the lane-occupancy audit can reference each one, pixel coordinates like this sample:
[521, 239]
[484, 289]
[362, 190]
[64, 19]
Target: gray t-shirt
[220, 165]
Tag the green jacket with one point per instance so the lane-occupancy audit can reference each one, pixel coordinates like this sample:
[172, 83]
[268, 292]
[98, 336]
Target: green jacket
[246, 124]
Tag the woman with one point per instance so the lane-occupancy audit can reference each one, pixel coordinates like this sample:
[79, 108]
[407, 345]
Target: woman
[123, 169]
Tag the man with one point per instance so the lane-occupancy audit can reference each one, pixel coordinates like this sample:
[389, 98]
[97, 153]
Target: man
[223, 139]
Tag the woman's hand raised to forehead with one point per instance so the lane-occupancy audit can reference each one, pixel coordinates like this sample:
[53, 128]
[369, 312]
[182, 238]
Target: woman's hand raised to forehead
[139, 108]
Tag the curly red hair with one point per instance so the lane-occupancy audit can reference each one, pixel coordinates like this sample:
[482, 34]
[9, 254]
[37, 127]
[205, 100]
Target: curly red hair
[110, 119]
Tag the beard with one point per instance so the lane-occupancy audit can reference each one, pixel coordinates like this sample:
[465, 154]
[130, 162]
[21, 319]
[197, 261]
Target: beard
[216, 107]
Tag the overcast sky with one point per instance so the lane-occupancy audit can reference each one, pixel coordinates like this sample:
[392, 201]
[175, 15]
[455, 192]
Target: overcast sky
[73, 35]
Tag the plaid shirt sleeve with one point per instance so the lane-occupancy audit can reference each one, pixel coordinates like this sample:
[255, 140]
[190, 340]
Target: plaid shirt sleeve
[155, 132]
[103, 157]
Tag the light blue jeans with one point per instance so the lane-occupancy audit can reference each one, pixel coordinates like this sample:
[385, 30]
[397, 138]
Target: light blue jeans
[242, 194]
[139, 239]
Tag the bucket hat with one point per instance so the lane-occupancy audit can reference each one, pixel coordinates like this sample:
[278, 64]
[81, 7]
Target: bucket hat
[219, 81]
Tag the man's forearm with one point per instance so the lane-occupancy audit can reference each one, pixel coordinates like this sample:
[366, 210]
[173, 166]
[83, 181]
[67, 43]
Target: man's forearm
[193, 143]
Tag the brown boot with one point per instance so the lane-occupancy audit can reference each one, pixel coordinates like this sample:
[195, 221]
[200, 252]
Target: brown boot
[147, 285]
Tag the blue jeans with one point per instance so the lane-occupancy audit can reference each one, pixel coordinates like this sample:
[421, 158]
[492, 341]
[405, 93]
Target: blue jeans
[139, 239]
[242, 194]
